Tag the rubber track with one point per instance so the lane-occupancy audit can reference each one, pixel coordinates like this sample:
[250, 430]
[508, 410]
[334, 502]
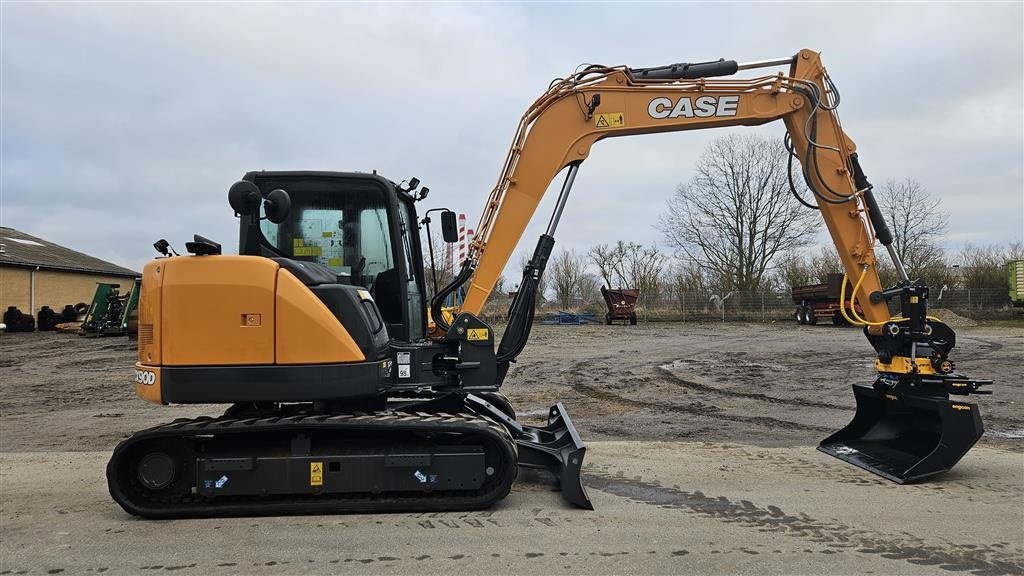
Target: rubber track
[193, 505]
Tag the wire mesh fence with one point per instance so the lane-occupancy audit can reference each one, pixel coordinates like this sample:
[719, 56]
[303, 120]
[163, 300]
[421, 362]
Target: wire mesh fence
[775, 306]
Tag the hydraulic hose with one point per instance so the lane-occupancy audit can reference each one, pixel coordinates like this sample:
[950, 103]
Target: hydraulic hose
[842, 302]
[438, 300]
[853, 310]
[521, 312]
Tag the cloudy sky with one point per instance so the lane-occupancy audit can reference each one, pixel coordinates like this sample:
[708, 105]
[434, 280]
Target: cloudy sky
[123, 123]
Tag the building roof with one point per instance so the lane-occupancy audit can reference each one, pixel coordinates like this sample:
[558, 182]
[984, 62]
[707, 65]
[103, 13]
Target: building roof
[20, 249]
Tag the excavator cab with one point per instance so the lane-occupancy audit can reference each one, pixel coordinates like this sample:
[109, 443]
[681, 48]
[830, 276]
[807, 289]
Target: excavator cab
[355, 228]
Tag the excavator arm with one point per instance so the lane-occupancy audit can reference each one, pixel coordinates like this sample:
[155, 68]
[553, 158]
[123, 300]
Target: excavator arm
[560, 128]
[906, 428]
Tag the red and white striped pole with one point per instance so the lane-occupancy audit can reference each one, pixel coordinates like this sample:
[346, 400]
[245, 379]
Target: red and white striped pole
[462, 241]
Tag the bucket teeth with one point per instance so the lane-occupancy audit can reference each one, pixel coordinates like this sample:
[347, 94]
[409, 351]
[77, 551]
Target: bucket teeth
[905, 438]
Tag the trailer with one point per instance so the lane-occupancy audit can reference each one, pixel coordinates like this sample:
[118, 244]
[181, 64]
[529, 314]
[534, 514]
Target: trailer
[821, 301]
[1015, 270]
[621, 304]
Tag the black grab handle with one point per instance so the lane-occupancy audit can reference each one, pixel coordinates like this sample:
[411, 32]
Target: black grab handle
[687, 71]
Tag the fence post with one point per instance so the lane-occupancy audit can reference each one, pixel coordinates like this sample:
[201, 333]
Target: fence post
[762, 307]
[968, 301]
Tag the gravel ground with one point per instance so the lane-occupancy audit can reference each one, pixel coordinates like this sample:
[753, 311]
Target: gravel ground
[765, 384]
[701, 460]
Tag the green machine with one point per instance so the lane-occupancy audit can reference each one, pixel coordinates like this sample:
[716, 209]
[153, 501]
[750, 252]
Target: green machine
[1015, 269]
[110, 310]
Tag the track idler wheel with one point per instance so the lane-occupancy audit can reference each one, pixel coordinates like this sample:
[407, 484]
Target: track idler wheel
[159, 471]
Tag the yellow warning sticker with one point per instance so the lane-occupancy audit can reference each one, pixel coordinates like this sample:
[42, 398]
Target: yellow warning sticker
[297, 242]
[306, 251]
[477, 334]
[316, 473]
[960, 407]
[334, 262]
[328, 234]
[913, 299]
[610, 120]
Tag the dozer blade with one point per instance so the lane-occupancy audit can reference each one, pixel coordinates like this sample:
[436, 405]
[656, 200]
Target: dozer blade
[557, 448]
[905, 438]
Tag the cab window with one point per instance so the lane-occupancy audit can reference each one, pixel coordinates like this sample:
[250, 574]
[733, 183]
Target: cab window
[342, 225]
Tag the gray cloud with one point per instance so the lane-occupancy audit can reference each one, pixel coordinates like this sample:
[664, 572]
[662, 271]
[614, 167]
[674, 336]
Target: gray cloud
[125, 123]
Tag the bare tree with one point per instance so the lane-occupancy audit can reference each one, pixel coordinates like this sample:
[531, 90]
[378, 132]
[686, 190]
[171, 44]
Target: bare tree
[792, 269]
[825, 262]
[797, 269]
[607, 259]
[984, 267]
[685, 281]
[567, 271]
[737, 213]
[439, 267]
[918, 223]
[643, 266]
[590, 289]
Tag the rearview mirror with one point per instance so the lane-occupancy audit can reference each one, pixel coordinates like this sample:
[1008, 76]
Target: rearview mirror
[277, 205]
[244, 198]
[449, 230]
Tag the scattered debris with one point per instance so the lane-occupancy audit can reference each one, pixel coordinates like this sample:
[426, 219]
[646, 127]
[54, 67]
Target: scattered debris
[570, 318]
[47, 319]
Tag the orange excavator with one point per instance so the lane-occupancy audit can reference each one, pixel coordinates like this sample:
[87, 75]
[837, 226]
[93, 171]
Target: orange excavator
[340, 396]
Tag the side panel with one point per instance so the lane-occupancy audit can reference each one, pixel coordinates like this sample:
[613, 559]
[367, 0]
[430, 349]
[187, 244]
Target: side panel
[307, 331]
[218, 310]
[149, 312]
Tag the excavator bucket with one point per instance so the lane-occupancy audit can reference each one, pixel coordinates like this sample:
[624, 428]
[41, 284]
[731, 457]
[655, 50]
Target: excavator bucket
[905, 438]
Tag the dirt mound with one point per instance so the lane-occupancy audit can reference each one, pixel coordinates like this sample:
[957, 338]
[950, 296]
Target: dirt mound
[951, 318]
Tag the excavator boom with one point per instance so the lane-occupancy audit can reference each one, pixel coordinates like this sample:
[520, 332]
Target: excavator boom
[906, 427]
[560, 128]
